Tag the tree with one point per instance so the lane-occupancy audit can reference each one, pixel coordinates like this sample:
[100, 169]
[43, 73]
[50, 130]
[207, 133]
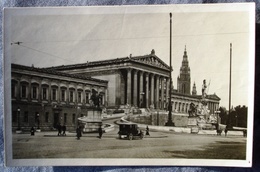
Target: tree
[223, 115]
[241, 113]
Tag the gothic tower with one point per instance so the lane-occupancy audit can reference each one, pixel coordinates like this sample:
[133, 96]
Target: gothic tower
[194, 90]
[183, 80]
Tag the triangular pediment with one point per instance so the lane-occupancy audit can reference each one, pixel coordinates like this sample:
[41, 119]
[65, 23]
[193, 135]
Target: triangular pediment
[152, 60]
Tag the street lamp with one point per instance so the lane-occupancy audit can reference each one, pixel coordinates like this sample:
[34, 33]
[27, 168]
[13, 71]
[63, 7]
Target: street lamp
[142, 99]
[18, 116]
[38, 122]
[169, 122]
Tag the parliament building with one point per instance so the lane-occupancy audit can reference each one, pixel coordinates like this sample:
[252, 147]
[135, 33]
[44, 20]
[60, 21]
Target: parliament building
[61, 94]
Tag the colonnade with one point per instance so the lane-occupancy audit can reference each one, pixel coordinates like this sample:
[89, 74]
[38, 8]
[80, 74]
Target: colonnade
[146, 89]
[183, 106]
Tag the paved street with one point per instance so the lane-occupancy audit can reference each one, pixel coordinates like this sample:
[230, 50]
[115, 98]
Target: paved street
[157, 145]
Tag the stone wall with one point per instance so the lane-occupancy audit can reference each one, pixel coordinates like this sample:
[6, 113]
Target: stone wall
[160, 118]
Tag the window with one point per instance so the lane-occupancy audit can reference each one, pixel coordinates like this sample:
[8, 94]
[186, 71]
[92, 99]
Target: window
[44, 93]
[79, 97]
[54, 94]
[74, 118]
[71, 96]
[87, 97]
[23, 91]
[34, 92]
[46, 116]
[14, 116]
[25, 116]
[65, 118]
[101, 99]
[63, 95]
[13, 93]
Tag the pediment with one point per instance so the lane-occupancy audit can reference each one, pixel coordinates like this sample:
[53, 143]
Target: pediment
[152, 60]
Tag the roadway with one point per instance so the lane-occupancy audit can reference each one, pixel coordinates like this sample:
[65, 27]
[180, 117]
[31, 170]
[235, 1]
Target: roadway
[157, 145]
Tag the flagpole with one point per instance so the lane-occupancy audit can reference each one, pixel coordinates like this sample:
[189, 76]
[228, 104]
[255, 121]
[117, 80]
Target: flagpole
[230, 72]
[169, 122]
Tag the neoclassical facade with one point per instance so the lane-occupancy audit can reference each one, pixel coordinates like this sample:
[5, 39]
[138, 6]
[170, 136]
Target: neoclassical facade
[141, 81]
[46, 97]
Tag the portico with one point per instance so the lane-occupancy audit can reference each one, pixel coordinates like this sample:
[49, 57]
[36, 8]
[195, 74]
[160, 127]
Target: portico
[140, 81]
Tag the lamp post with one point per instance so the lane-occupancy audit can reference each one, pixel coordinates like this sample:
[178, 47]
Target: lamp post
[169, 122]
[142, 99]
[38, 123]
[18, 130]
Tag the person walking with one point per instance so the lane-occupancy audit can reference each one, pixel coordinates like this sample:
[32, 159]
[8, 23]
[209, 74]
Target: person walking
[147, 131]
[78, 131]
[100, 131]
[32, 131]
[59, 129]
[226, 130]
[64, 130]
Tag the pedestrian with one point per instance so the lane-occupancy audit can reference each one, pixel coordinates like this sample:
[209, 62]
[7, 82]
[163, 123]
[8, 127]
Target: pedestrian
[59, 129]
[32, 131]
[78, 131]
[64, 130]
[226, 130]
[244, 133]
[100, 131]
[147, 131]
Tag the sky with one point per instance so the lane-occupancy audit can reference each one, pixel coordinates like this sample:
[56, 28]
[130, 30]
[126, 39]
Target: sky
[52, 37]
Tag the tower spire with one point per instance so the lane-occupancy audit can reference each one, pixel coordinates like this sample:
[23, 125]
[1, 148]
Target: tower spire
[183, 81]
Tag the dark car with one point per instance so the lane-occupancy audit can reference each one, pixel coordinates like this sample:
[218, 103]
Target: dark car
[129, 131]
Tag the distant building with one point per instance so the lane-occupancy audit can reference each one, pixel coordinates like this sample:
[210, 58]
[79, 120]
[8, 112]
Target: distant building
[50, 98]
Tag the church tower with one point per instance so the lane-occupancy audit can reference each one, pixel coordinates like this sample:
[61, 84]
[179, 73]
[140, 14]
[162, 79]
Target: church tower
[194, 90]
[183, 80]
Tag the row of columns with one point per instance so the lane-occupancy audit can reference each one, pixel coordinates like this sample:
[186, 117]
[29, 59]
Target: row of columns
[179, 106]
[149, 88]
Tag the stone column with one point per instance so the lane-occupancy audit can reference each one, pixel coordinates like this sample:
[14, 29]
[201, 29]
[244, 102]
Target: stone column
[119, 99]
[162, 95]
[76, 94]
[141, 101]
[152, 90]
[129, 86]
[40, 91]
[68, 94]
[18, 90]
[106, 96]
[49, 90]
[135, 89]
[157, 98]
[147, 90]
[58, 93]
[29, 90]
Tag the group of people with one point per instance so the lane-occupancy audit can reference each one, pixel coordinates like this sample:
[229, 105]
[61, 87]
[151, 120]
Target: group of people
[61, 129]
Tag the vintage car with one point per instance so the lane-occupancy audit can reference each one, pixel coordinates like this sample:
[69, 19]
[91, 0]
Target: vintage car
[130, 131]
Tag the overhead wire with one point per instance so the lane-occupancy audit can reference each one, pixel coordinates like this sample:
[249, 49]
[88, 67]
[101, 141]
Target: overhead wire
[69, 41]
